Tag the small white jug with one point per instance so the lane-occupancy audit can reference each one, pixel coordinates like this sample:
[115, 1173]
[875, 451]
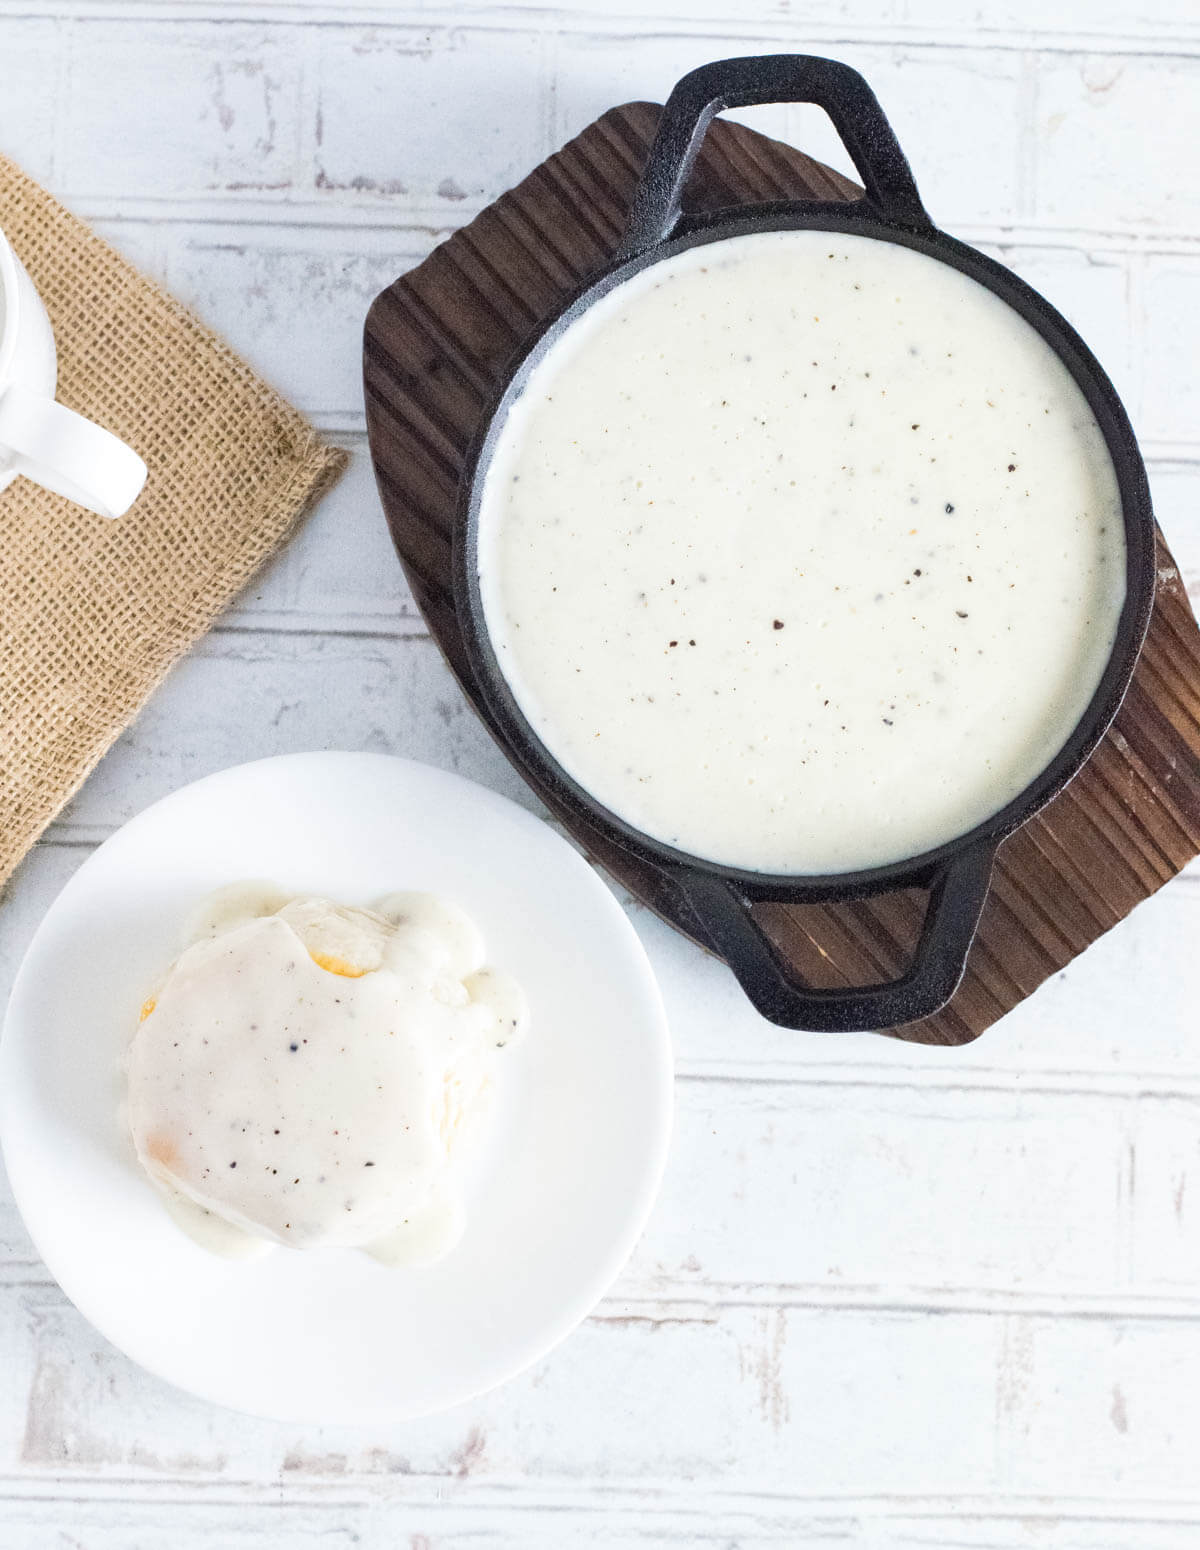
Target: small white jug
[38, 436]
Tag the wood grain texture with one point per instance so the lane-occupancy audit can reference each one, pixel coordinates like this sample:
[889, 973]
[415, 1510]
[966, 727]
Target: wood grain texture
[436, 345]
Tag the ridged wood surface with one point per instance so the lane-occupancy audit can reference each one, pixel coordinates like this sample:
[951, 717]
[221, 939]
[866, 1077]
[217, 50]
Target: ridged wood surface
[436, 345]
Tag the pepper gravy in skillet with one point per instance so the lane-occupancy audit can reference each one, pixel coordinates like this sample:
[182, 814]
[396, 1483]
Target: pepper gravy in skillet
[801, 552]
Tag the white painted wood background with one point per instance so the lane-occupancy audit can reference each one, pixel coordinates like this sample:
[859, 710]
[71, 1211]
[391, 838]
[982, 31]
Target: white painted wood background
[891, 1297]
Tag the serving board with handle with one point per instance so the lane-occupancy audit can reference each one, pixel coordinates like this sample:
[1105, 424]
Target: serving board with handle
[436, 347]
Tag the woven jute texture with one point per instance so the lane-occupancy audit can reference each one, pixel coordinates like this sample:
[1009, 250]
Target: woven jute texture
[93, 612]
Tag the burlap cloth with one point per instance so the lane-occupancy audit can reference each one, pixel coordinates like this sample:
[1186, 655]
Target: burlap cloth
[93, 612]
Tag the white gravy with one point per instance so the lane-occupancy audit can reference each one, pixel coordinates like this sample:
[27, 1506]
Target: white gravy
[313, 1075]
[802, 552]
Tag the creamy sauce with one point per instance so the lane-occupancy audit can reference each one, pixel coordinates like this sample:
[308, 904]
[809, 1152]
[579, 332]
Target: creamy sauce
[802, 552]
[312, 1075]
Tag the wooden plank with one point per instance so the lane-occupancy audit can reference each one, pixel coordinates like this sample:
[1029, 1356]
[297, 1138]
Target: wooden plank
[460, 1520]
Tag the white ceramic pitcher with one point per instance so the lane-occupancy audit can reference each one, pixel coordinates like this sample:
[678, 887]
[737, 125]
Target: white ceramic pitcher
[40, 437]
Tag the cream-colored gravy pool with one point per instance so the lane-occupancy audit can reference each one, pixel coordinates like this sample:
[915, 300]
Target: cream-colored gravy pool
[801, 552]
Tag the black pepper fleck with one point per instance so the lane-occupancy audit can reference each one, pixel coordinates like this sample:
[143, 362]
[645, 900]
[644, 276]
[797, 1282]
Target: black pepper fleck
[777, 624]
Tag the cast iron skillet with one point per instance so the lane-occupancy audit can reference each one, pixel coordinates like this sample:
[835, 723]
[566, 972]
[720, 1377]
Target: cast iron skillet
[956, 874]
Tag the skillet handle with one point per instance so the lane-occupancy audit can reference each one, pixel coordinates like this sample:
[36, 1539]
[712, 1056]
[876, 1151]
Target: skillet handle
[957, 890]
[748, 82]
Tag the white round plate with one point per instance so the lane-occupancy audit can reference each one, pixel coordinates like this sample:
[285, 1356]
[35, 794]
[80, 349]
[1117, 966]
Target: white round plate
[562, 1184]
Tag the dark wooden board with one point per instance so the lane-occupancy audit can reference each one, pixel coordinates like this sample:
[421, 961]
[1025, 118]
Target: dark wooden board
[436, 345]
